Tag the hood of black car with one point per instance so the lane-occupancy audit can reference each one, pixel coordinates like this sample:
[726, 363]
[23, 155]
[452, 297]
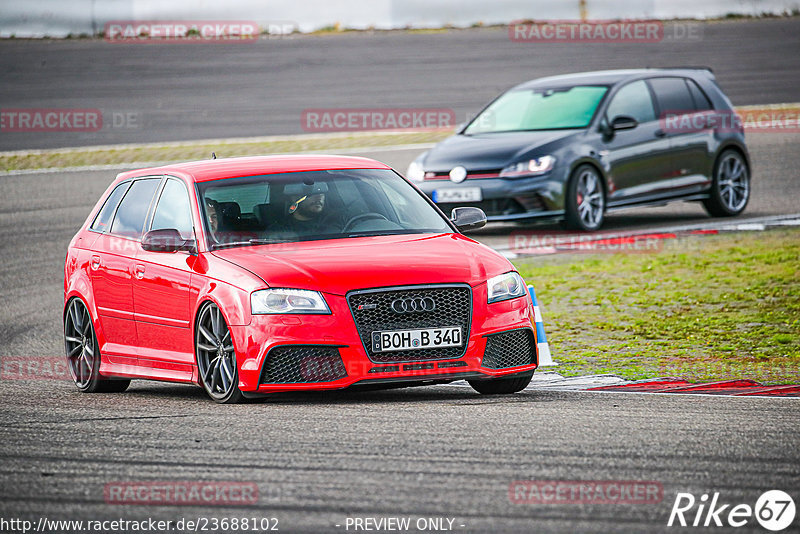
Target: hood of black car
[489, 150]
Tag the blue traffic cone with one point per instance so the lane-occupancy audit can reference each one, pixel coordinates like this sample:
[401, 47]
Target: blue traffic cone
[545, 358]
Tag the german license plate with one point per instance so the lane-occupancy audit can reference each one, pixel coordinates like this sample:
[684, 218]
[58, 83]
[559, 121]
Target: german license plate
[422, 338]
[458, 194]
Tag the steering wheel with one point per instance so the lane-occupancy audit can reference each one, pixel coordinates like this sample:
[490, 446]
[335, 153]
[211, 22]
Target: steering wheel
[362, 217]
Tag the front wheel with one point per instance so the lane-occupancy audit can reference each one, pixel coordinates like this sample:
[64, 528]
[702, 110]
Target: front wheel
[730, 188]
[502, 386]
[585, 203]
[216, 357]
[83, 354]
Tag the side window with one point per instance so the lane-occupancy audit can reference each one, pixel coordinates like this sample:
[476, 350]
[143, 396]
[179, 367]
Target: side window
[173, 210]
[132, 211]
[633, 100]
[673, 96]
[701, 102]
[103, 219]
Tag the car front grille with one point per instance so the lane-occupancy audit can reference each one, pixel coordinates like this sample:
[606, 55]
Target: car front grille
[475, 174]
[509, 349]
[372, 312]
[302, 364]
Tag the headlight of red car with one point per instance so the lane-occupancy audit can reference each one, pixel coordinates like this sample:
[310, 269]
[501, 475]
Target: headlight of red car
[275, 301]
[506, 286]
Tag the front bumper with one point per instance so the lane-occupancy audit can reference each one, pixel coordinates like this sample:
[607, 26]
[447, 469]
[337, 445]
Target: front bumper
[324, 352]
[509, 199]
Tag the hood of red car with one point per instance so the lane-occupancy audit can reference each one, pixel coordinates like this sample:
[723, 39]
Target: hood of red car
[340, 265]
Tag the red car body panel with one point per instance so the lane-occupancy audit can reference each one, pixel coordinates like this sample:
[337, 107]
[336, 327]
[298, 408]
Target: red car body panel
[144, 304]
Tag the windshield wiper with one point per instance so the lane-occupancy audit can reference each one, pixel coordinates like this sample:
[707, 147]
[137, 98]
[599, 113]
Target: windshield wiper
[249, 242]
[386, 232]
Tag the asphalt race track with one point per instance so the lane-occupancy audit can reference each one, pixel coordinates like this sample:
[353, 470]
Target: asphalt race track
[319, 459]
[184, 91]
[424, 452]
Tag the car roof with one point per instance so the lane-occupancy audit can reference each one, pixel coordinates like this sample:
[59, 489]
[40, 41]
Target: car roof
[611, 77]
[217, 169]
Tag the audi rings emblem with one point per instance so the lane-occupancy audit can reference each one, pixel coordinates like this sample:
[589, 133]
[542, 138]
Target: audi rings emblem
[412, 305]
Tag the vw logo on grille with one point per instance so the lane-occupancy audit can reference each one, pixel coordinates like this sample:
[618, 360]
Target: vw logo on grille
[412, 305]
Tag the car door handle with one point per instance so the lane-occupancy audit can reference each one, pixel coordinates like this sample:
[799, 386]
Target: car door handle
[660, 133]
[139, 271]
[95, 263]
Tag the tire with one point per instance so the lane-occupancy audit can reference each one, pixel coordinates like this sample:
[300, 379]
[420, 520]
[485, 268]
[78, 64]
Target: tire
[502, 386]
[730, 187]
[216, 357]
[83, 355]
[585, 202]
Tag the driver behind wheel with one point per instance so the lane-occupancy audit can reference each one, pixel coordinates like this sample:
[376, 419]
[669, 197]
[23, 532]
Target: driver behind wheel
[306, 213]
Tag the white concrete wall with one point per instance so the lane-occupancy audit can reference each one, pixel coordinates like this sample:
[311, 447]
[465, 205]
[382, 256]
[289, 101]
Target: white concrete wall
[36, 18]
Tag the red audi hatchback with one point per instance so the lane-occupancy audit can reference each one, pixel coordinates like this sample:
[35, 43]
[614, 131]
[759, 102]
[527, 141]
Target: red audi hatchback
[257, 275]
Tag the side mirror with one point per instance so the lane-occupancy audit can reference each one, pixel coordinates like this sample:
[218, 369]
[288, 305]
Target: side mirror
[166, 240]
[467, 219]
[623, 122]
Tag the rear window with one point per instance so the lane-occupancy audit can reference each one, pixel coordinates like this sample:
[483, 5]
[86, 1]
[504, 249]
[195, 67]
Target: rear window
[129, 220]
[103, 219]
[673, 96]
[246, 196]
[701, 102]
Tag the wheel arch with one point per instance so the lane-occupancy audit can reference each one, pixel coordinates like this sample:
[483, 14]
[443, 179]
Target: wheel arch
[592, 163]
[82, 290]
[736, 147]
[232, 314]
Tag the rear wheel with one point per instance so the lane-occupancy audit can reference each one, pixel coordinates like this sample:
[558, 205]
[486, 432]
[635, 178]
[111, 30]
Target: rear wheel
[730, 188]
[216, 357]
[585, 204]
[83, 355]
[502, 386]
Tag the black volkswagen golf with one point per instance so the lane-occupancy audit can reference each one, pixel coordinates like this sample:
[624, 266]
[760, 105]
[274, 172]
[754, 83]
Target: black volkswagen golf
[577, 146]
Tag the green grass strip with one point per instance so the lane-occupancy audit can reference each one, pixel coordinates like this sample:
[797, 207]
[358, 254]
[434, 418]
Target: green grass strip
[701, 308]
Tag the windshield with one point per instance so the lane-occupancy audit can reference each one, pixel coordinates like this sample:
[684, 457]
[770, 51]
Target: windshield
[539, 109]
[304, 206]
